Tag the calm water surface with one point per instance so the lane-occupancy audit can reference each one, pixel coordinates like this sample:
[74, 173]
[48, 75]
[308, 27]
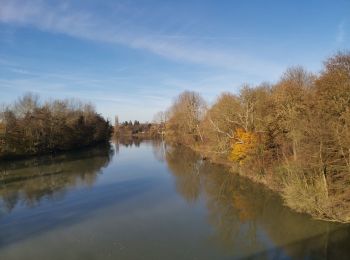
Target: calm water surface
[147, 200]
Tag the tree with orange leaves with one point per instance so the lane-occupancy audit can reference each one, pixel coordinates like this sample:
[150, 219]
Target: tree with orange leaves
[244, 143]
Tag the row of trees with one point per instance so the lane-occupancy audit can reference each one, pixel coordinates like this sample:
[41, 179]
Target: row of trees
[293, 135]
[136, 129]
[31, 127]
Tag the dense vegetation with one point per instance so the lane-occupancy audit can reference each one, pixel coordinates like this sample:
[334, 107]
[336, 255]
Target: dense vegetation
[136, 129]
[29, 127]
[293, 135]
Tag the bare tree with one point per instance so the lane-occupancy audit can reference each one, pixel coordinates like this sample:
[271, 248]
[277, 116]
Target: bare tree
[185, 116]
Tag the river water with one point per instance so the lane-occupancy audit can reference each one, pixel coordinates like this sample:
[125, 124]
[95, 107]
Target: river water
[149, 200]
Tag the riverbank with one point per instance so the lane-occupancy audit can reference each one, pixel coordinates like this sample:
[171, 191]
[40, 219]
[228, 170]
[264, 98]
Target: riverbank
[292, 135]
[280, 186]
[17, 157]
[234, 167]
[98, 200]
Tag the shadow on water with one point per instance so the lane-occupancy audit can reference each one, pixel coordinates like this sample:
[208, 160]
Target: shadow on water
[332, 245]
[248, 218]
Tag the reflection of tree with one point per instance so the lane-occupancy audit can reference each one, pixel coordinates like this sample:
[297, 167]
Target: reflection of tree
[31, 180]
[241, 211]
[127, 141]
[159, 149]
[185, 165]
[231, 211]
[222, 192]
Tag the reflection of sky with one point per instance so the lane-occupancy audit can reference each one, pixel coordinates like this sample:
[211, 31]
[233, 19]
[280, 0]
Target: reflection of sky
[134, 208]
[134, 164]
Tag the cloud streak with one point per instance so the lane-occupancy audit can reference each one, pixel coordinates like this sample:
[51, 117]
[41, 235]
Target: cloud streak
[340, 37]
[82, 24]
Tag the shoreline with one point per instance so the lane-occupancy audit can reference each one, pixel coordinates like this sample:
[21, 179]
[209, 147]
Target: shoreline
[268, 180]
[18, 157]
[271, 185]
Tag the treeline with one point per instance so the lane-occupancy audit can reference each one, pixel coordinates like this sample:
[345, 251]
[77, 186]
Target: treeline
[29, 127]
[293, 136]
[136, 129]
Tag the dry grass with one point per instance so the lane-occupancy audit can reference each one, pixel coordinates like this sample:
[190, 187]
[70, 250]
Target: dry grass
[307, 194]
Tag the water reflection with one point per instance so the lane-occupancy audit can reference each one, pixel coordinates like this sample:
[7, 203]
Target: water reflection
[248, 218]
[29, 181]
[162, 200]
[128, 141]
[187, 173]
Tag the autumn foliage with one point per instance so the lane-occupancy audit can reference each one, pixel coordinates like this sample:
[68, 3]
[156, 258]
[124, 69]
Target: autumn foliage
[243, 145]
[292, 135]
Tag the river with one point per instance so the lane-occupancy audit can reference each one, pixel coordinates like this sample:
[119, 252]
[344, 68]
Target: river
[149, 200]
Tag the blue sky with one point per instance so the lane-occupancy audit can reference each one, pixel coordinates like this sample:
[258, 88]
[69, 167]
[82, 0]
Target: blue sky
[131, 57]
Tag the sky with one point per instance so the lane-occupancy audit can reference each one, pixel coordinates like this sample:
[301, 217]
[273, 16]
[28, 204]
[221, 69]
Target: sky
[132, 57]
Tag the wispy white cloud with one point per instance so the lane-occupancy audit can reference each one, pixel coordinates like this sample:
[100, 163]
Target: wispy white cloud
[127, 31]
[20, 71]
[179, 45]
[340, 37]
